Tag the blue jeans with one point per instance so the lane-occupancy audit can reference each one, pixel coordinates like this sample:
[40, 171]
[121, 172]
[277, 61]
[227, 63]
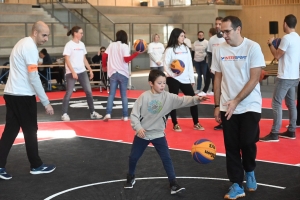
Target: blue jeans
[115, 80]
[86, 86]
[201, 68]
[284, 89]
[161, 146]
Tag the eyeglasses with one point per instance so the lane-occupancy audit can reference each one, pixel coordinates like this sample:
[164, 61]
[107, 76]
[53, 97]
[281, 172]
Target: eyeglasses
[226, 31]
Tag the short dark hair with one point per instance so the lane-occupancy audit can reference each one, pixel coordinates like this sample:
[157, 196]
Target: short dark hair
[154, 74]
[235, 21]
[102, 48]
[290, 20]
[219, 18]
[44, 52]
[122, 36]
[75, 29]
[200, 32]
[212, 31]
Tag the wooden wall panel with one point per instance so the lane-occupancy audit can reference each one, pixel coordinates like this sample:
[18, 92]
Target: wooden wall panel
[32, 2]
[267, 2]
[255, 22]
[121, 2]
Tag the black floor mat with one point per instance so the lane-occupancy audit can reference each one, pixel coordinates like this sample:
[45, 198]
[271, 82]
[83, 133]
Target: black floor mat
[82, 161]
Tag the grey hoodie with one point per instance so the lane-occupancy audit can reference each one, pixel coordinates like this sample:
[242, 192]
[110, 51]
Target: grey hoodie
[149, 111]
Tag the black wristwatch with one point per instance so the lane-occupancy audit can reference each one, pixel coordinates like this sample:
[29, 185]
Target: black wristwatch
[270, 44]
[216, 106]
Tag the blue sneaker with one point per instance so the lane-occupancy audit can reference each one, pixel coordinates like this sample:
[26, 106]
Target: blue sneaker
[43, 169]
[251, 184]
[4, 175]
[235, 191]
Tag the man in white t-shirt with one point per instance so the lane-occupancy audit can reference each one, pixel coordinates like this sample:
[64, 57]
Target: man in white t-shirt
[20, 100]
[214, 42]
[288, 58]
[237, 65]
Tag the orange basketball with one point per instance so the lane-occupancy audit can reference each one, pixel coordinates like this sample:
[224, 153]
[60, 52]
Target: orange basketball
[177, 66]
[203, 151]
[140, 45]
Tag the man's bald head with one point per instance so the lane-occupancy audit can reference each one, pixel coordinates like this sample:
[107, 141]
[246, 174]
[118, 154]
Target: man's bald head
[40, 32]
[39, 26]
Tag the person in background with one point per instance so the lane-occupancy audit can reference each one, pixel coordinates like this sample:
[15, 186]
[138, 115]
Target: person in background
[177, 50]
[97, 59]
[118, 54]
[155, 51]
[20, 92]
[46, 60]
[209, 76]
[187, 41]
[287, 79]
[199, 48]
[75, 65]
[214, 42]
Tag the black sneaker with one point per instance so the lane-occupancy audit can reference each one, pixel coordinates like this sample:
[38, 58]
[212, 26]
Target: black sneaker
[130, 181]
[175, 188]
[219, 127]
[288, 134]
[272, 137]
[43, 169]
[4, 175]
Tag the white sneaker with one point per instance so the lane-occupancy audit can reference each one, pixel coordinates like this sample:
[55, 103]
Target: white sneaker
[125, 119]
[210, 93]
[106, 117]
[202, 94]
[197, 91]
[65, 117]
[96, 115]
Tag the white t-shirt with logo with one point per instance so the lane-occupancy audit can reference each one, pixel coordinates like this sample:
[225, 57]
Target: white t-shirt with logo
[116, 52]
[24, 53]
[182, 53]
[213, 42]
[156, 49]
[76, 53]
[235, 63]
[200, 50]
[288, 64]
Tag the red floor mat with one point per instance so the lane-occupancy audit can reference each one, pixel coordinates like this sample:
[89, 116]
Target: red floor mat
[285, 151]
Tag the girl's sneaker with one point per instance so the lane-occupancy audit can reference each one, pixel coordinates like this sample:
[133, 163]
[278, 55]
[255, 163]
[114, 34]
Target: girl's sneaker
[106, 117]
[199, 127]
[65, 117]
[177, 128]
[96, 115]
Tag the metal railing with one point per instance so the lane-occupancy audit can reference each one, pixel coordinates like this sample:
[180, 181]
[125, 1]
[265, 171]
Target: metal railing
[59, 10]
